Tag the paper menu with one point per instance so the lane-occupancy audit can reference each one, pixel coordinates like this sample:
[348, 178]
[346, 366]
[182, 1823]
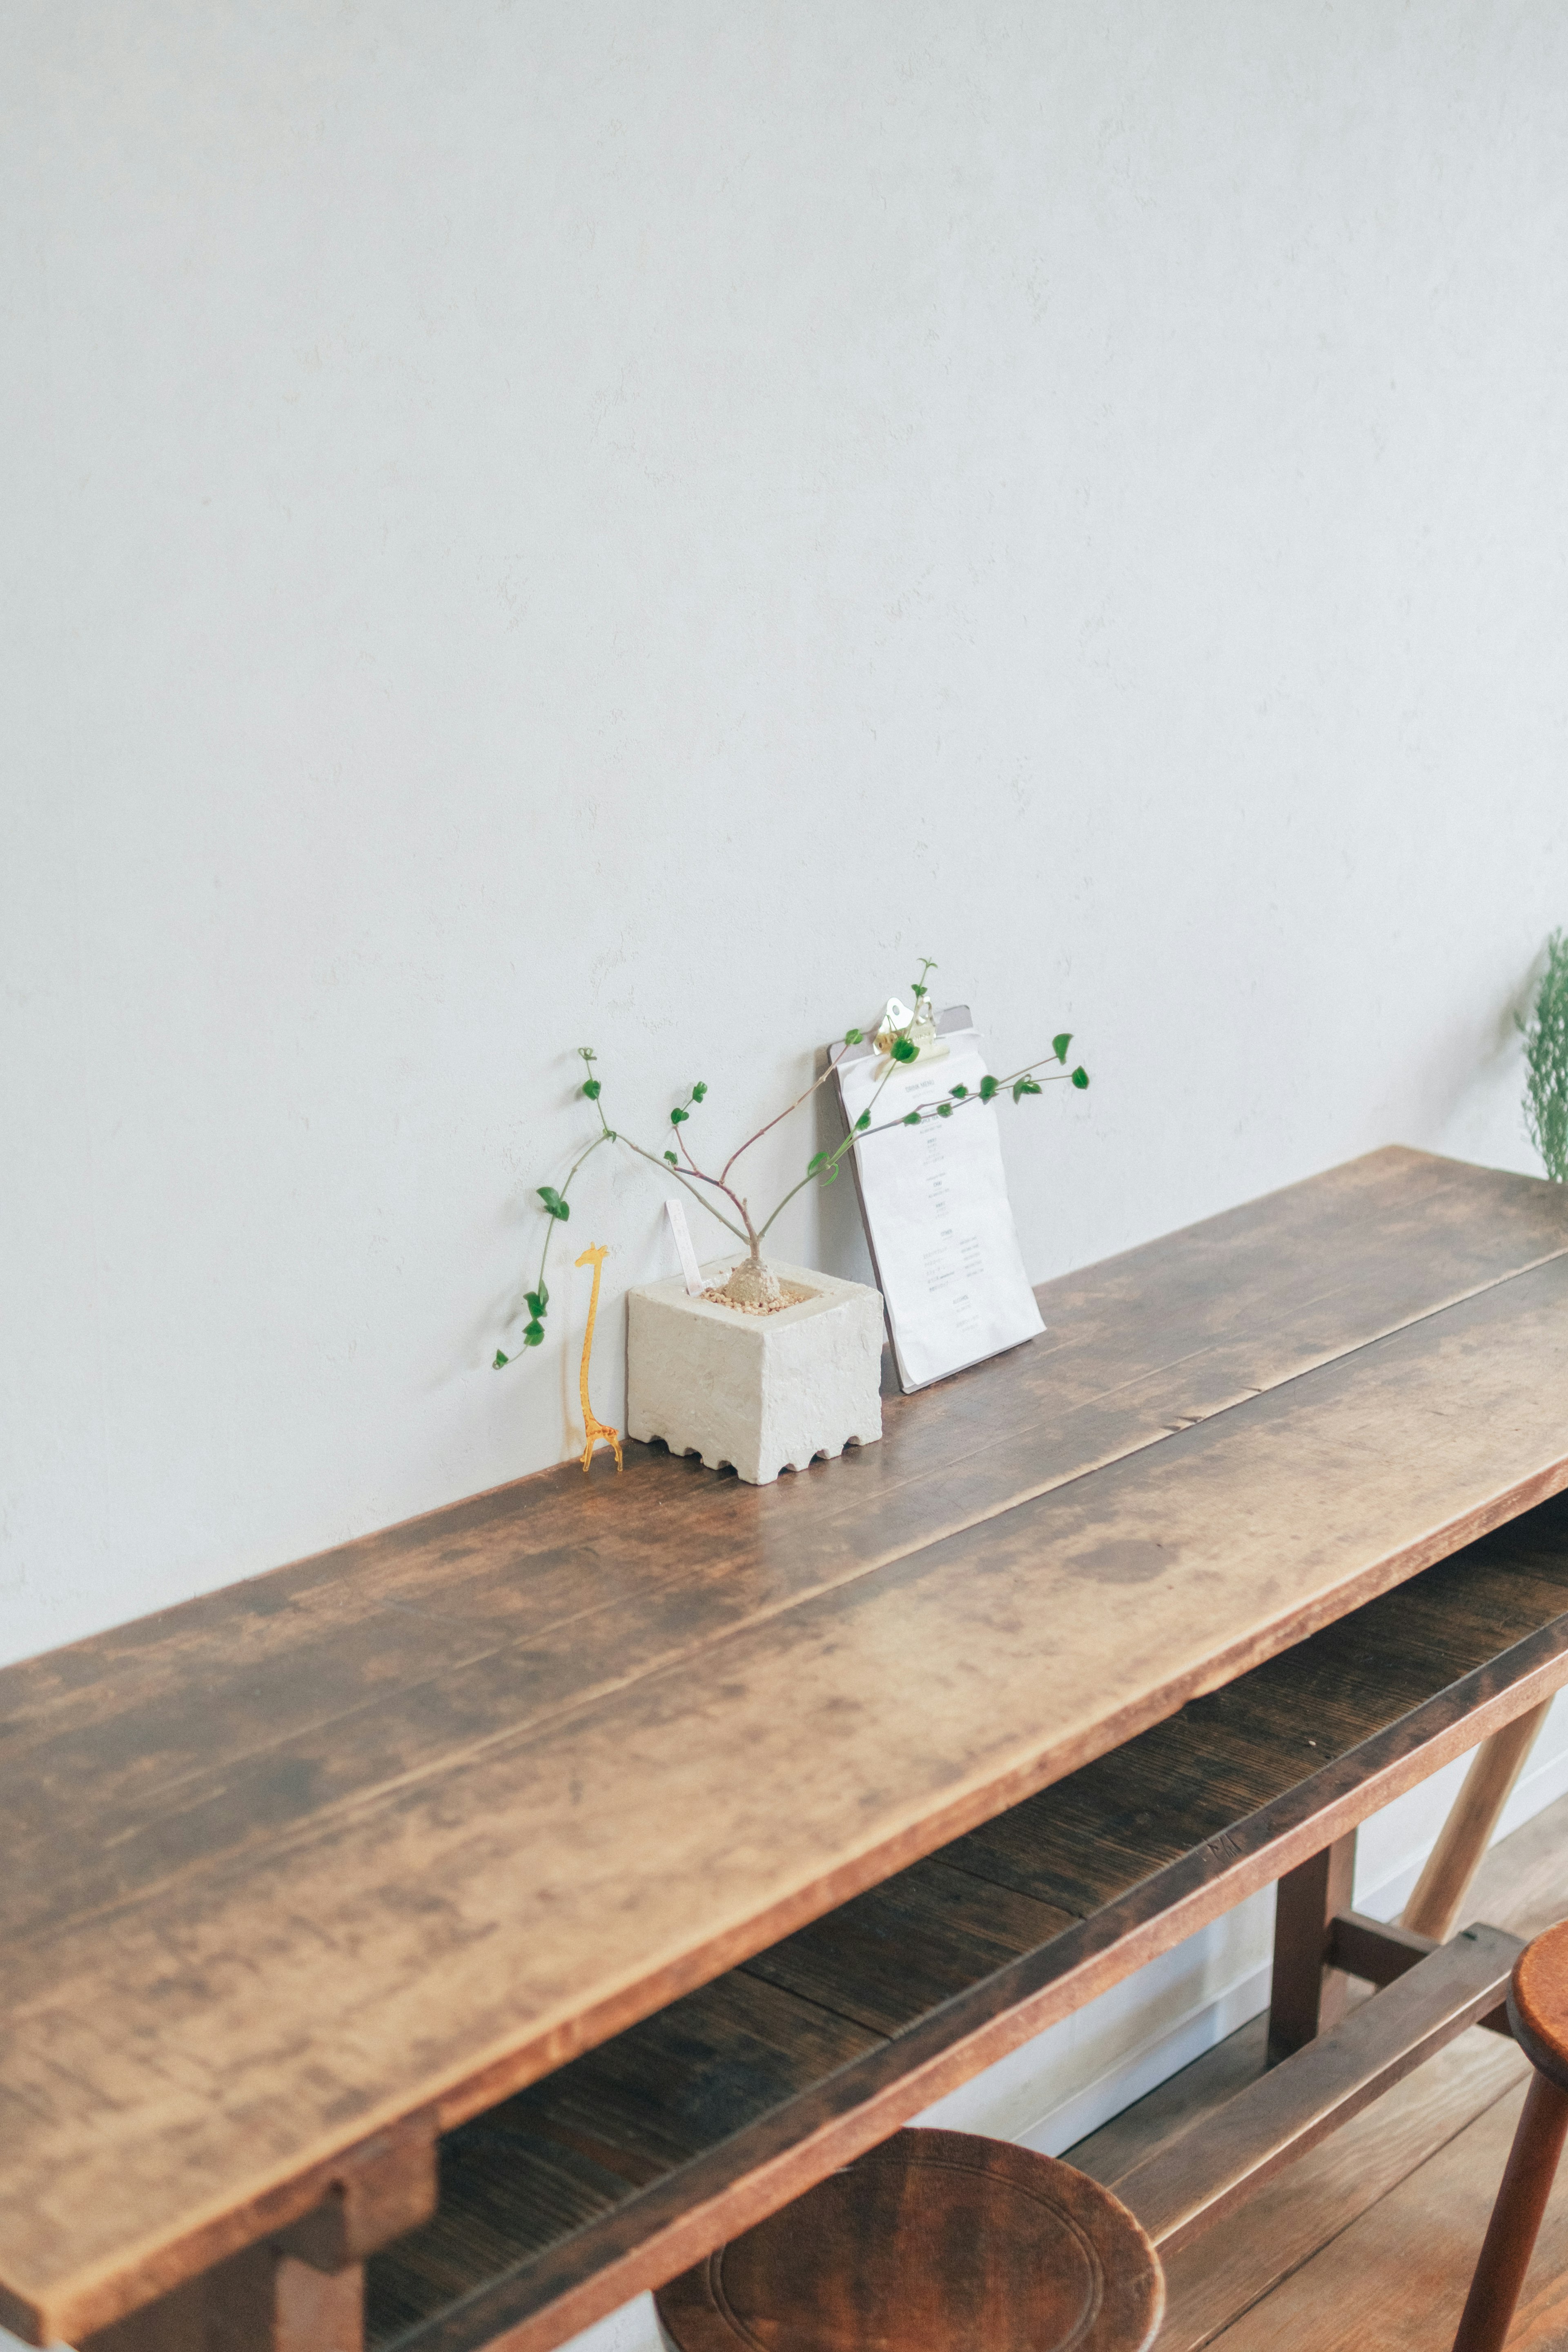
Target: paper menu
[937, 1213]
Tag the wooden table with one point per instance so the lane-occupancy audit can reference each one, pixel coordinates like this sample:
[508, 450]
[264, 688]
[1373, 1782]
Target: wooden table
[297, 1875]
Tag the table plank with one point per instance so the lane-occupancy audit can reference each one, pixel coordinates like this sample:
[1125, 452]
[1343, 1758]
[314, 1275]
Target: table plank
[421, 1818]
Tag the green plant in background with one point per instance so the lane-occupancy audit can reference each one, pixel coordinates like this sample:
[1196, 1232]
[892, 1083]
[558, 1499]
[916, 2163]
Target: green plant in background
[1546, 1063]
[752, 1283]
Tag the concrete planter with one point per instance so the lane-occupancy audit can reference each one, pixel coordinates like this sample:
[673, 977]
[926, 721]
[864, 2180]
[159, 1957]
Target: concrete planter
[766, 1393]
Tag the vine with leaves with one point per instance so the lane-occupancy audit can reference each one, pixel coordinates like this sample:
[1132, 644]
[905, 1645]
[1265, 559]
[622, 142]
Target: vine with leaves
[1546, 1063]
[709, 1188]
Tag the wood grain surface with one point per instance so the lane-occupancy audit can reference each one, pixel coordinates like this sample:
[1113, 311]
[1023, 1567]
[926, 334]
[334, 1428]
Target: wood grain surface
[1538, 2004]
[1521, 1886]
[1443, 1884]
[1187, 2190]
[1306, 2208]
[936, 2241]
[620, 2169]
[411, 1823]
[1396, 2278]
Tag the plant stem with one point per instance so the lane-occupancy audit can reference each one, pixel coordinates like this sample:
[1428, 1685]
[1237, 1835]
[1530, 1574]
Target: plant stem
[854, 1136]
[833, 1061]
[666, 1170]
[858, 1134]
[608, 1135]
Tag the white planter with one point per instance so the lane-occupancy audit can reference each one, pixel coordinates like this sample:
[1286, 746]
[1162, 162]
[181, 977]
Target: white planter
[766, 1393]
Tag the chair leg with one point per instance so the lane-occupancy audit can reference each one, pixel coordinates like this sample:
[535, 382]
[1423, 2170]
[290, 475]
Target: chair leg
[1516, 2217]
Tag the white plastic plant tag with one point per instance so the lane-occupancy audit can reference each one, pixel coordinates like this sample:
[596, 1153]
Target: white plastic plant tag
[695, 1284]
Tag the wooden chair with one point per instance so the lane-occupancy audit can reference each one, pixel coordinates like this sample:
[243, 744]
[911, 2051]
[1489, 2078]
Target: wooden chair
[1538, 2012]
[936, 2241]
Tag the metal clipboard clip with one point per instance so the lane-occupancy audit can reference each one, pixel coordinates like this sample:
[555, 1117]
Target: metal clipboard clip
[919, 1022]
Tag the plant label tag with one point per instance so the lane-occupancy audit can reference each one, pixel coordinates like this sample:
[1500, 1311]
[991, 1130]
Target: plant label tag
[695, 1286]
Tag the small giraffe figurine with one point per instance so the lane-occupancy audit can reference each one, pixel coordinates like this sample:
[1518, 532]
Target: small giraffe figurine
[594, 1430]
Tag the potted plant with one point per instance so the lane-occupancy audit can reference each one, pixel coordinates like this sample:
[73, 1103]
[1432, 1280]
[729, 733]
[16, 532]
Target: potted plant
[769, 1365]
[1546, 1063]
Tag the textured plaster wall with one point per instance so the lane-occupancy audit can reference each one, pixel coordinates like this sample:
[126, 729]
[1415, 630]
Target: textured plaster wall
[624, 524]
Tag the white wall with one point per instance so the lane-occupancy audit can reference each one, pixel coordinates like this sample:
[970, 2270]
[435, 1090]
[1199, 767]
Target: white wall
[531, 526]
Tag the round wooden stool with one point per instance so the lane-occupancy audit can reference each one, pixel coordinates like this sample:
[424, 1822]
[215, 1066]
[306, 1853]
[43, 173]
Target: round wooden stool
[1538, 2012]
[936, 2241]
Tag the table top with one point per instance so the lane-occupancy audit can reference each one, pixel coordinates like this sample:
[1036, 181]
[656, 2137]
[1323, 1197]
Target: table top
[406, 1825]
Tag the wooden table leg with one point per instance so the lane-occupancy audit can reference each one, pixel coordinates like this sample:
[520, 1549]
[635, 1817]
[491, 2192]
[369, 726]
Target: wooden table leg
[1308, 1995]
[303, 2290]
[1440, 1891]
[262, 2300]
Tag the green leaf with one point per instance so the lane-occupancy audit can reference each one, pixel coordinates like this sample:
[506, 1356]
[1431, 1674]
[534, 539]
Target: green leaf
[536, 1304]
[678, 1118]
[544, 1298]
[532, 1336]
[499, 1361]
[944, 1110]
[853, 1036]
[863, 1122]
[815, 1162]
[958, 1093]
[912, 1118]
[988, 1087]
[1025, 1087]
[553, 1202]
[698, 1093]
[904, 1049]
[672, 1159]
[1080, 1076]
[592, 1089]
[1060, 1044]
[830, 1175]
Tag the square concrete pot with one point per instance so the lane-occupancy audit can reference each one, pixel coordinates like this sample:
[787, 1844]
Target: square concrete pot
[765, 1392]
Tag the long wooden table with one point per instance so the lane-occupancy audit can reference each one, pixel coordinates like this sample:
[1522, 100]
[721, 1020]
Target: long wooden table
[300, 1876]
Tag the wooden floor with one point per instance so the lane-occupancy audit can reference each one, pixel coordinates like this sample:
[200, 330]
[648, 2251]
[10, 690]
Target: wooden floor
[1370, 2241]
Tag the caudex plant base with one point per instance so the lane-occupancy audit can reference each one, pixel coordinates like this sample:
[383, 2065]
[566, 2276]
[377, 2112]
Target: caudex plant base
[762, 1392]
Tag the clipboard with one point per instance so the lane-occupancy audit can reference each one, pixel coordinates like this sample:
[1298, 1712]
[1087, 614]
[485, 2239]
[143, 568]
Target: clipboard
[933, 1204]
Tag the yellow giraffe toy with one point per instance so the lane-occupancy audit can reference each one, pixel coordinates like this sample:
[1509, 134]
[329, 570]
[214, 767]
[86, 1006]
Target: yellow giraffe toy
[594, 1430]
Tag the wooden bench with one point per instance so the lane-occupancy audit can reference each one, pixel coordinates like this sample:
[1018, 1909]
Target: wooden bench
[639, 1848]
